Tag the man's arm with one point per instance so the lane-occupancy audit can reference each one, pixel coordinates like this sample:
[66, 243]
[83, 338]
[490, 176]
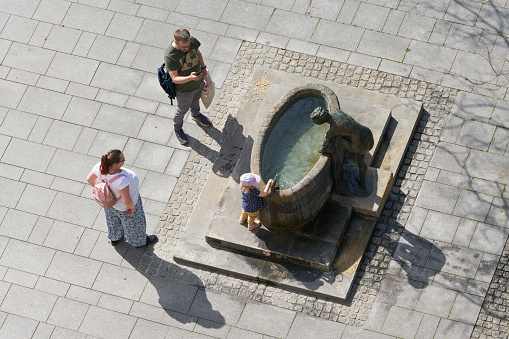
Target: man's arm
[183, 79]
[202, 65]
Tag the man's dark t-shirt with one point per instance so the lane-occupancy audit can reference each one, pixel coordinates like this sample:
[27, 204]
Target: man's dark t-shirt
[185, 63]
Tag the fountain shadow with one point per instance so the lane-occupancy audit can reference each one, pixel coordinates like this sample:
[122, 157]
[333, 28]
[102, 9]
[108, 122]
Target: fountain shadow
[180, 300]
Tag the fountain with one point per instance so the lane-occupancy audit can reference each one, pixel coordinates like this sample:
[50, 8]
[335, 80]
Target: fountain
[315, 231]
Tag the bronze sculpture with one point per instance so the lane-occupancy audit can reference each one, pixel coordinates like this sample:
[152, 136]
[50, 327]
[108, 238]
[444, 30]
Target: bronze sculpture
[345, 133]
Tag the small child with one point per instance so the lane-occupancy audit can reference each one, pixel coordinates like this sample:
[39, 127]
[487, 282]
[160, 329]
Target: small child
[252, 201]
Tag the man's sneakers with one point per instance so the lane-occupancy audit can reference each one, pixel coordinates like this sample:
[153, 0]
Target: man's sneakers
[202, 120]
[181, 136]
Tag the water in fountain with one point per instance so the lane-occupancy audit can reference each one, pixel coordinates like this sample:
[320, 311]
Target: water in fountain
[292, 147]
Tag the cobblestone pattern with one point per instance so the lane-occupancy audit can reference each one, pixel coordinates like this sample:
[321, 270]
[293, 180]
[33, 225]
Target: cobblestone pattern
[437, 100]
[493, 321]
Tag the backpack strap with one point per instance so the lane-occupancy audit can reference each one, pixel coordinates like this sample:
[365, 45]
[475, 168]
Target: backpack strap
[118, 176]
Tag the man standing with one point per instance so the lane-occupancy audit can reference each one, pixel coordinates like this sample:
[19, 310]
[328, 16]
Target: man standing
[185, 65]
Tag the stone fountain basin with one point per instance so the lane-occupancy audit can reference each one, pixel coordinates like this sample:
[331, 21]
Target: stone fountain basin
[292, 208]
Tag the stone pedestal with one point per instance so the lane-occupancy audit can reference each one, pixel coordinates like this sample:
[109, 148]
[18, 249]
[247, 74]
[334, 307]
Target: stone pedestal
[325, 266]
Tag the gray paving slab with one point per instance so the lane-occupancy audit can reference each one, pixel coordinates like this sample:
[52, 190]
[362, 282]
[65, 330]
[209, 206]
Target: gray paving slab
[63, 268]
[436, 301]
[472, 66]
[27, 257]
[156, 129]
[450, 157]
[401, 322]
[78, 16]
[73, 209]
[500, 141]
[437, 58]
[434, 10]
[11, 93]
[497, 214]
[307, 327]
[285, 23]
[337, 35]
[257, 318]
[463, 38]
[450, 281]
[29, 58]
[16, 326]
[147, 57]
[122, 282]
[52, 11]
[487, 187]
[487, 166]
[217, 307]
[63, 236]
[347, 12]
[364, 16]
[62, 39]
[466, 308]
[177, 298]
[454, 179]
[476, 135]
[107, 75]
[439, 226]
[246, 15]
[43, 102]
[430, 198]
[12, 218]
[119, 120]
[13, 125]
[19, 29]
[447, 328]
[400, 291]
[463, 12]
[473, 205]
[489, 238]
[447, 258]
[68, 313]
[464, 232]
[15, 189]
[121, 325]
[28, 303]
[144, 329]
[416, 26]
[498, 114]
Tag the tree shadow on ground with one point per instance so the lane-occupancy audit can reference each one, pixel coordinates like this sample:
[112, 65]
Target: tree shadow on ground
[183, 301]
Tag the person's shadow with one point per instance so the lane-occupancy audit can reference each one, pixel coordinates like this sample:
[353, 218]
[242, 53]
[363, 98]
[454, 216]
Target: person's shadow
[419, 258]
[181, 300]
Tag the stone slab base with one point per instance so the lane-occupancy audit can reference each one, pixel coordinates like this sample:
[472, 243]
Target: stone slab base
[337, 282]
[314, 246]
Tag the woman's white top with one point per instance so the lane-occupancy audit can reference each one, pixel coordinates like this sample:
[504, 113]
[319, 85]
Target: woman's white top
[130, 179]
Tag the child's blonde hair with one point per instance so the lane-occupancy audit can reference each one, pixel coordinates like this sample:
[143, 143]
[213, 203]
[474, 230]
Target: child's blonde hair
[246, 189]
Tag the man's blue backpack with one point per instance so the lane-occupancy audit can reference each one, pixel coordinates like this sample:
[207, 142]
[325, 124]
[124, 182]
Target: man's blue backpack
[167, 83]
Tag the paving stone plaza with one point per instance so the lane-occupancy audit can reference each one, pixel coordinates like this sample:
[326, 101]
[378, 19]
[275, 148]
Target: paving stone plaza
[79, 77]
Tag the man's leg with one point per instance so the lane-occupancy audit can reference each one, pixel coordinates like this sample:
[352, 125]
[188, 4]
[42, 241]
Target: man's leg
[183, 103]
[195, 108]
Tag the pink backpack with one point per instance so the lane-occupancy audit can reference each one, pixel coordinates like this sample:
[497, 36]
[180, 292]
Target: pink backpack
[102, 193]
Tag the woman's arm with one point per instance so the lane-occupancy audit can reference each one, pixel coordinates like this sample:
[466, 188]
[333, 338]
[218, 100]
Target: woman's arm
[126, 198]
[266, 190]
[92, 178]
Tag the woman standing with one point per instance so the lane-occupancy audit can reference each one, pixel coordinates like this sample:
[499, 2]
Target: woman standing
[126, 217]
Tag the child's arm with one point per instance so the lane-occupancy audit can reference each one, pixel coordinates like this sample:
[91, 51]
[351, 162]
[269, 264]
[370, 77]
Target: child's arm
[266, 190]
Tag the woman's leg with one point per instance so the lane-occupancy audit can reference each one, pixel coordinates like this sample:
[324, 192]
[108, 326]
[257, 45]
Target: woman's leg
[115, 230]
[135, 226]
